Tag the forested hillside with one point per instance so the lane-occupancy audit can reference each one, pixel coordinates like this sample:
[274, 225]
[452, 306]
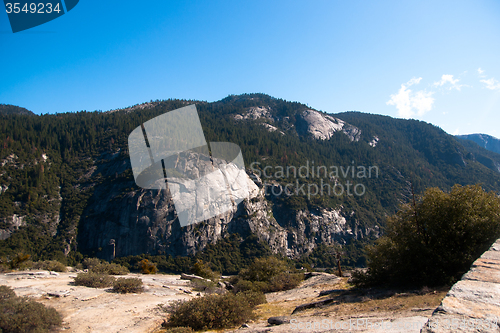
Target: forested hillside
[67, 189]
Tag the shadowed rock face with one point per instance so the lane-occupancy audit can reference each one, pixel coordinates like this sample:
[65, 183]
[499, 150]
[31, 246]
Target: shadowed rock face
[145, 221]
[473, 303]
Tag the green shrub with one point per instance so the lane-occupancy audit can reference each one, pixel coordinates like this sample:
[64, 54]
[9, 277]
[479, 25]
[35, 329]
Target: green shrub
[19, 315]
[245, 285]
[128, 285]
[89, 263]
[17, 260]
[434, 241]
[253, 298]
[6, 293]
[147, 267]
[49, 265]
[116, 269]
[99, 266]
[4, 268]
[267, 275]
[94, 280]
[203, 270]
[205, 286]
[25, 265]
[284, 281]
[263, 269]
[111, 269]
[211, 312]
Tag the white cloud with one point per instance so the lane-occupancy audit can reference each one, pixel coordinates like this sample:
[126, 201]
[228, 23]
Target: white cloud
[447, 78]
[414, 81]
[480, 72]
[491, 84]
[456, 132]
[409, 103]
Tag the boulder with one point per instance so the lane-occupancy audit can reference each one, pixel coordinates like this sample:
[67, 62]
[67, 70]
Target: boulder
[280, 320]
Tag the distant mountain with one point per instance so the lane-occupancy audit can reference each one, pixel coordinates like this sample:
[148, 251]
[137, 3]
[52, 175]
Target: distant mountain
[484, 156]
[484, 140]
[66, 184]
[8, 109]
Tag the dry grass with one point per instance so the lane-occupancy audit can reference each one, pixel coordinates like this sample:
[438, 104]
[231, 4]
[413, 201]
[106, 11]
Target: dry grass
[350, 302]
[391, 304]
[267, 310]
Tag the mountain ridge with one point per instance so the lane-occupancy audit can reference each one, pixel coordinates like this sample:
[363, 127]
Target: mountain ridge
[484, 140]
[8, 109]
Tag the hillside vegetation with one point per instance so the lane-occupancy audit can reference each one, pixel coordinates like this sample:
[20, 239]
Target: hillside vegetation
[57, 171]
[434, 241]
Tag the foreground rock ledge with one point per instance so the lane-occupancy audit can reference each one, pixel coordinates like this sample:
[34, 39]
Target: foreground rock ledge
[87, 310]
[473, 303]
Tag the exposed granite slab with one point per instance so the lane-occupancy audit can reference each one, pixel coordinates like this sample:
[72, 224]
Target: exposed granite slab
[473, 303]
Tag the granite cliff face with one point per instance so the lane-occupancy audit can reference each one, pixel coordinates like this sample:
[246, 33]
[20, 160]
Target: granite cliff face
[118, 222]
[322, 126]
[307, 122]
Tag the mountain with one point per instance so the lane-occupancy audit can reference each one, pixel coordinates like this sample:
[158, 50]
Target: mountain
[6, 109]
[67, 188]
[486, 157]
[484, 140]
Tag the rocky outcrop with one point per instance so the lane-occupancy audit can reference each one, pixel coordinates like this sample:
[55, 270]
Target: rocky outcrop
[271, 128]
[473, 303]
[279, 320]
[322, 126]
[13, 223]
[11, 159]
[374, 141]
[255, 113]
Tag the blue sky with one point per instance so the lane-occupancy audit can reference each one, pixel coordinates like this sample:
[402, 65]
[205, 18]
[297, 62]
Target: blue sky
[429, 60]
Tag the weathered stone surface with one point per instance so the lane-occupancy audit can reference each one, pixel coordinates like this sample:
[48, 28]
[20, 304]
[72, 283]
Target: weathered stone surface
[62, 293]
[473, 303]
[97, 309]
[320, 126]
[255, 113]
[280, 320]
[30, 273]
[191, 277]
[13, 222]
